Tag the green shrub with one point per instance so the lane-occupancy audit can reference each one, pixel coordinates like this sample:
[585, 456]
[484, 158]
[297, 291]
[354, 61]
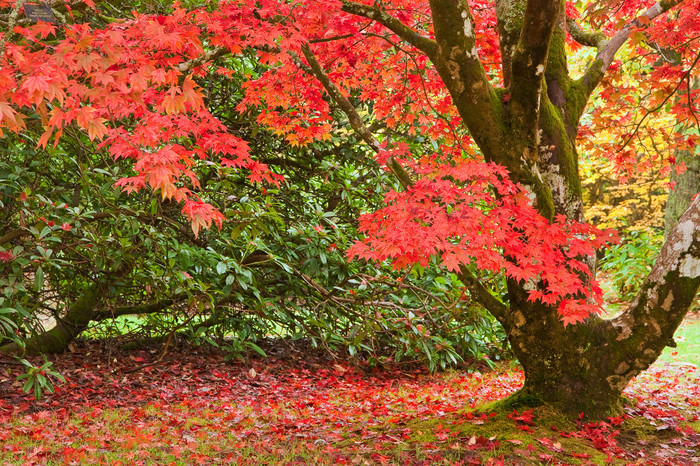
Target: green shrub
[629, 262]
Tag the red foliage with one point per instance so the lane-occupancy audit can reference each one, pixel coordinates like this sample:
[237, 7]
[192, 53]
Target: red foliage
[131, 87]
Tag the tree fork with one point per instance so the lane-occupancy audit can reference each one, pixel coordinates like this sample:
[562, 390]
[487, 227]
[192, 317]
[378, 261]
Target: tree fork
[585, 367]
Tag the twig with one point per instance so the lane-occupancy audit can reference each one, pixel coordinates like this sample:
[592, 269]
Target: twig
[663, 103]
[150, 364]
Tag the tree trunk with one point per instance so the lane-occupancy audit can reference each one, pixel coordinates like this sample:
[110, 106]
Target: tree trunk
[563, 367]
[532, 132]
[687, 185]
[585, 367]
[529, 126]
[79, 315]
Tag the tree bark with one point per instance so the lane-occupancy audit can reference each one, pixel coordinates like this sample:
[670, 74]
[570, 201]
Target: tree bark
[79, 315]
[585, 367]
[687, 185]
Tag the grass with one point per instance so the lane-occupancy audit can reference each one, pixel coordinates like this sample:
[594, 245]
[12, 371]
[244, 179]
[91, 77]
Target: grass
[687, 339]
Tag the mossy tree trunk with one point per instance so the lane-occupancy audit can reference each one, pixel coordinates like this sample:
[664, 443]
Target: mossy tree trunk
[79, 315]
[581, 368]
[585, 367]
[85, 310]
[530, 127]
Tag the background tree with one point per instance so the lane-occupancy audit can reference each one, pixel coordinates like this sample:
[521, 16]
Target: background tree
[686, 183]
[469, 104]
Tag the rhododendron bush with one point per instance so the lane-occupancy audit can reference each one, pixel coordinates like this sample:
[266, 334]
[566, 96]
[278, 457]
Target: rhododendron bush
[474, 106]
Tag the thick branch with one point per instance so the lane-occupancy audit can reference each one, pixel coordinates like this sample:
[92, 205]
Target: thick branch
[590, 39]
[149, 308]
[79, 315]
[606, 53]
[457, 62]
[426, 45]
[647, 326]
[12, 235]
[528, 68]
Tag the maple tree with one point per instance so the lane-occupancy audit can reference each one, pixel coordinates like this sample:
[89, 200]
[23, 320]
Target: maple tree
[470, 105]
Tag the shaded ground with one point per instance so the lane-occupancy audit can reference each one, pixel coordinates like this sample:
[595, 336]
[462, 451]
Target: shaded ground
[299, 407]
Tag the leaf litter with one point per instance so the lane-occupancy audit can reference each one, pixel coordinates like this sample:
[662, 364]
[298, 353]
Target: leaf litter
[299, 406]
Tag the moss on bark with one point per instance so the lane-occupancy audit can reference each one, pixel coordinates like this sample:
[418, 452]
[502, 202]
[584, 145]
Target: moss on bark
[79, 315]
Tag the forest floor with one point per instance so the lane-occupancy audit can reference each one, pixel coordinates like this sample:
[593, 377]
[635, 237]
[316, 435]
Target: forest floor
[298, 406]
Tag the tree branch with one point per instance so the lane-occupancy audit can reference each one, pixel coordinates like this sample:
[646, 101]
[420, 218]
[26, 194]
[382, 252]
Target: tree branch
[606, 53]
[79, 315]
[665, 297]
[595, 39]
[482, 295]
[528, 69]
[479, 292]
[353, 117]
[12, 235]
[457, 61]
[203, 58]
[422, 43]
[148, 308]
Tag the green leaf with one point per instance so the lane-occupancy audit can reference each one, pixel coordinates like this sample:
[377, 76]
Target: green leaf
[256, 348]
[39, 279]
[28, 385]
[237, 230]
